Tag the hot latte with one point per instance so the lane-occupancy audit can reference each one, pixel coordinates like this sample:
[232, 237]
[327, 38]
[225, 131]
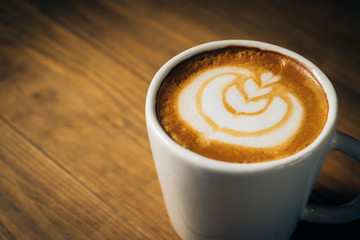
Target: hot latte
[239, 104]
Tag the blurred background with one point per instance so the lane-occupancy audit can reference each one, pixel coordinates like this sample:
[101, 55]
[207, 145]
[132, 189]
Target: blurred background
[75, 162]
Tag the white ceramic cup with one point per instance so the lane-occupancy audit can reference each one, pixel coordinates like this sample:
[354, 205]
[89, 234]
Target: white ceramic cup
[209, 199]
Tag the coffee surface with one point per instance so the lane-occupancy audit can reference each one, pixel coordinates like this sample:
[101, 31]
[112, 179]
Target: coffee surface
[242, 105]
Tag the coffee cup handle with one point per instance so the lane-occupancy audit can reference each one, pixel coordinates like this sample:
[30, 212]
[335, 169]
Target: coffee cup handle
[341, 213]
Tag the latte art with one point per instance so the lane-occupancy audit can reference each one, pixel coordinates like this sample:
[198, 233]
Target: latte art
[243, 105]
[233, 105]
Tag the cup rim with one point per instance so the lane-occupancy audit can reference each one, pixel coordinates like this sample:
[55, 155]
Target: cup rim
[217, 165]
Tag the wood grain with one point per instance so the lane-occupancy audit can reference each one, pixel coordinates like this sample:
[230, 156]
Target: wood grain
[75, 162]
[42, 200]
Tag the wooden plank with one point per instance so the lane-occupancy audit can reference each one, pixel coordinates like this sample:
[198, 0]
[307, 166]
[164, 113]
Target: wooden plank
[106, 156]
[92, 121]
[39, 199]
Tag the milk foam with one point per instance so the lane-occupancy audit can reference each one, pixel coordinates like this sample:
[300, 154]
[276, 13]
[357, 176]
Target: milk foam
[233, 105]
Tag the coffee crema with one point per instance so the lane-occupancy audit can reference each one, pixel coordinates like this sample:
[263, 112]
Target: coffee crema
[243, 105]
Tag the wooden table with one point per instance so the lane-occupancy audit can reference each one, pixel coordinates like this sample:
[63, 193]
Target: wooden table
[75, 161]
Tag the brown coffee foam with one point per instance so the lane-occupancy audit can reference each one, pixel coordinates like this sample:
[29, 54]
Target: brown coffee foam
[295, 78]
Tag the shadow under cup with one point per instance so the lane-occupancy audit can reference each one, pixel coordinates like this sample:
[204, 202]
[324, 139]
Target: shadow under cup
[210, 199]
